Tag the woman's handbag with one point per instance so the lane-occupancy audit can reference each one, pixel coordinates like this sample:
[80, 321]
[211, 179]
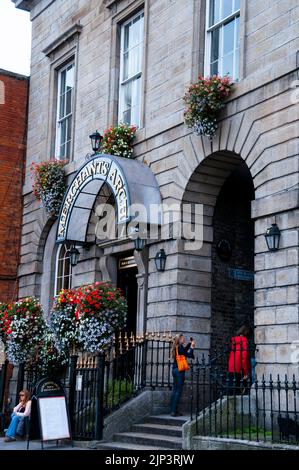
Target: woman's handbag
[181, 361]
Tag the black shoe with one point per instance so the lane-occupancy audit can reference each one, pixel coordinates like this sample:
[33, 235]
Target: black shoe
[179, 414]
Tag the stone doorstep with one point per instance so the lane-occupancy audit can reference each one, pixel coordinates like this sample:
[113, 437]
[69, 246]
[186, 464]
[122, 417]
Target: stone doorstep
[156, 432]
[222, 443]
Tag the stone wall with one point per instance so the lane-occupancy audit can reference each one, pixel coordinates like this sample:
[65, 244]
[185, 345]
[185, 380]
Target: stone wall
[258, 126]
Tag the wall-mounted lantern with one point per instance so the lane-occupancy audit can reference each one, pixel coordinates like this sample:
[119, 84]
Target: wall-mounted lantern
[272, 237]
[160, 260]
[139, 243]
[96, 141]
[74, 255]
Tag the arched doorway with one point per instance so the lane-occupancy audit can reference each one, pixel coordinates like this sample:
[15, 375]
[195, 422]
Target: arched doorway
[219, 295]
[232, 290]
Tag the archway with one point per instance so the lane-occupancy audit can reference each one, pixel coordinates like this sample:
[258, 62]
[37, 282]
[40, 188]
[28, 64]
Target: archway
[220, 292]
[232, 290]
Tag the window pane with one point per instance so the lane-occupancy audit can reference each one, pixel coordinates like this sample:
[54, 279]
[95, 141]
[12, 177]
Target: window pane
[70, 77]
[68, 108]
[215, 45]
[132, 62]
[62, 82]
[69, 129]
[227, 8]
[62, 106]
[128, 95]
[66, 267]
[62, 151]
[228, 37]
[215, 68]
[127, 116]
[215, 6]
[62, 132]
[134, 33]
[228, 64]
[237, 5]
[237, 33]
[136, 99]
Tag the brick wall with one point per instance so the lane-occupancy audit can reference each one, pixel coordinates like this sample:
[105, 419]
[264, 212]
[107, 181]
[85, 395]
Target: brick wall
[13, 128]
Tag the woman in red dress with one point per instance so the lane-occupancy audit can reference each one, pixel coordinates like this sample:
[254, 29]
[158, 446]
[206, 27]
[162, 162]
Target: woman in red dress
[239, 357]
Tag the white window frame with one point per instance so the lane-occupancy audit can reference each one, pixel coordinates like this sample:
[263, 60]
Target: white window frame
[208, 48]
[138, 75]
[58, 259]
[71, 114]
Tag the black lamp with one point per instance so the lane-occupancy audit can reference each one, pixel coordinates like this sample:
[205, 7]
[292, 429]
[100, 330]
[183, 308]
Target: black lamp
[272, 237]
[139, 243]
[74, 255]
[160, 260]
[96, 140]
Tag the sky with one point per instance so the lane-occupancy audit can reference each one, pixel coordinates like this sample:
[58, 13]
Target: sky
[15, 38]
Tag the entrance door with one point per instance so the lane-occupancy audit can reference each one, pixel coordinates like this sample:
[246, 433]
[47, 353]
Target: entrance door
[127, 282]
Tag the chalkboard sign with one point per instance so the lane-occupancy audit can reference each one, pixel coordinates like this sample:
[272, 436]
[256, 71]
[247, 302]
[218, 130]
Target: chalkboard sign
[50, 413]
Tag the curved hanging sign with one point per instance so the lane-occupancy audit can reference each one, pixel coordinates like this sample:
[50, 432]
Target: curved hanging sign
[131, 182]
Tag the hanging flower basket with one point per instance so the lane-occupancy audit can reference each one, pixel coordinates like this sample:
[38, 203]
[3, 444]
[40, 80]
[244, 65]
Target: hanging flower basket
[27, 338]
[49, 184]
[204, 100]
[87, 317]
[6, 314]
[118, 140]
[25, 331]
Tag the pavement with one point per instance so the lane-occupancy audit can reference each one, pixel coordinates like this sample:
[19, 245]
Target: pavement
[35, 445]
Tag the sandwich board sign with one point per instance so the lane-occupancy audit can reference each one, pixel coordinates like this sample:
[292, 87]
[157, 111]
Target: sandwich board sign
[51, 410]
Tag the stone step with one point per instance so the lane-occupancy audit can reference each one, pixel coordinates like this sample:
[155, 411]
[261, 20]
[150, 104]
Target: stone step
[162, 429]
[167, 420]
[146, 439]
[127, 446]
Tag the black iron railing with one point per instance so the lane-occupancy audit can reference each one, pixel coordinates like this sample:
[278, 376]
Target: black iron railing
[228, 400]
[98, 385]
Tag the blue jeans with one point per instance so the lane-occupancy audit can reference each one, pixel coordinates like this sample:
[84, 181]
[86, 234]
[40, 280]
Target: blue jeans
[178, 383]
[11, 432]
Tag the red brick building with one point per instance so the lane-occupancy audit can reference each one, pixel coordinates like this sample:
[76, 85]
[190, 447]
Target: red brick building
[13, 130]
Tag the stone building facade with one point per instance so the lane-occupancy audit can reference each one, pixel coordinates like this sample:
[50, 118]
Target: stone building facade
[246, 178]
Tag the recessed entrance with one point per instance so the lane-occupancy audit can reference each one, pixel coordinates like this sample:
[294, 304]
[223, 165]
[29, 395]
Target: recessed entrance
[219, 294]
[127, 282]
[232, 293]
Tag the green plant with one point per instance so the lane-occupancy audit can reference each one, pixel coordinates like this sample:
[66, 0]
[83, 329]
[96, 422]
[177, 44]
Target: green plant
[118, 140]
[204, 100]
[49, 184]
[118, 391]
